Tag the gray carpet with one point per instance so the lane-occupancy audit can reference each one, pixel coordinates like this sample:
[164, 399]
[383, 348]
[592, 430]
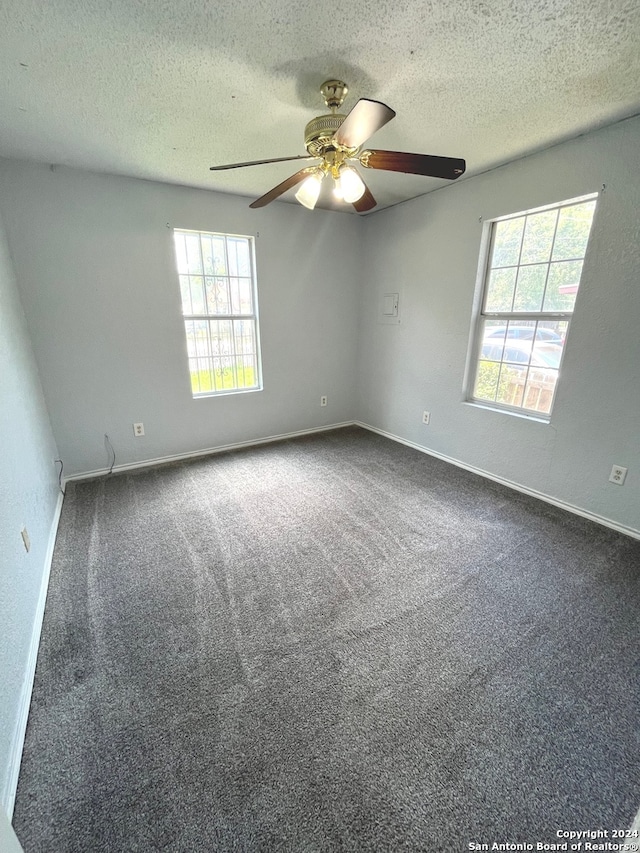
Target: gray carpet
[334, 643]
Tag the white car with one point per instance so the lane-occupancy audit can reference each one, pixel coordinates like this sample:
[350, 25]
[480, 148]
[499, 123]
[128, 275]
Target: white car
[523, 352]
[523, 333]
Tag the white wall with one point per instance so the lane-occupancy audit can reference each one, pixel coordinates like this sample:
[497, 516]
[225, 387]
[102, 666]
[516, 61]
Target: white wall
[428, 250]
[97, 276]
[28, 497]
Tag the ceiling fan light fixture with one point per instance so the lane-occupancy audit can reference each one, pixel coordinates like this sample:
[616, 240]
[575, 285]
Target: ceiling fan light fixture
[335, 139]
[308, 193]
[351, 184]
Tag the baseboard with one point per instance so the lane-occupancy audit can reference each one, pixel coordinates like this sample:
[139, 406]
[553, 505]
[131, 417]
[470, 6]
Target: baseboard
[178, 457]
[9, 794]
[576, 510]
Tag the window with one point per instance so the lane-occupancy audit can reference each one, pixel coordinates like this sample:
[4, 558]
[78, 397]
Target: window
[532, 277]
[217, 284]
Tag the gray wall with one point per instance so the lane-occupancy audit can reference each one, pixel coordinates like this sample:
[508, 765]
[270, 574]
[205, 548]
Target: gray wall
[97, 276]
[428, 249]
[28, 497]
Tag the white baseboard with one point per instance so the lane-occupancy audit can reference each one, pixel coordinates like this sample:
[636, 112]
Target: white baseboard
[161, 460]
[576, 510]
[9, 794]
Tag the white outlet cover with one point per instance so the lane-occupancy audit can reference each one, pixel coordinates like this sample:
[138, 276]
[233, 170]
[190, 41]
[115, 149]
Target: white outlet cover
[617, 475]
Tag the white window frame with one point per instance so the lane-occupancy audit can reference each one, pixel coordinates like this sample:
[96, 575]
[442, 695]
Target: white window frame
[250, 317]
[481, 314]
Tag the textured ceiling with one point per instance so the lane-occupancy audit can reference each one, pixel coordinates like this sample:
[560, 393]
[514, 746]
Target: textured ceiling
[162, 90]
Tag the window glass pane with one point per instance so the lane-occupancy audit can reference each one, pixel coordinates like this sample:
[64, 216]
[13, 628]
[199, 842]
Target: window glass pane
[546, 354]
[195, 376]
[249, 337]
[574, 225]
[494, 330]
[500, 292]
[562, 285]
[185, 293]
[540, 388]
[219, 256]
[234, 286]
[506, 242]
[204, 375]
[530, 288]
[223, 302]
[224, 373]
[487, 380]
[511, 385]
[239, 250]
[242, 331]
[517, 351]
[246, 296]
[210, 290]
[181, 253]
[221, 334]
[521, 330]
[194, 259]
[552, 331]
[538, 237]
[191, 338]
[206, 244]
[197, 295]
[201, 336]
[492, 352]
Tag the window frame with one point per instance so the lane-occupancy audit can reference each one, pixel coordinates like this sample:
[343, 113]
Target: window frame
[481, 315]
[253, 316]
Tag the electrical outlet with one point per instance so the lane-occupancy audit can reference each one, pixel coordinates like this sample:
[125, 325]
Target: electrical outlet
[25, 539]
[617, 475]
[426, 417]
[323, 400]
[138, 430]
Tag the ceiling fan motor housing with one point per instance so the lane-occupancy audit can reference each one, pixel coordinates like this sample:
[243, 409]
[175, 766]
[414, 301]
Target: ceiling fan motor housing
[319, 133]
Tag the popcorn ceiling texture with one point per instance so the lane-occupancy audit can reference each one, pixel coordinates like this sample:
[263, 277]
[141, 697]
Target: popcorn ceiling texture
[164, 90]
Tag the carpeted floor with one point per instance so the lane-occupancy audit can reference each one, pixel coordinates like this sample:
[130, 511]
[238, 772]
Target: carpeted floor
[334, 643]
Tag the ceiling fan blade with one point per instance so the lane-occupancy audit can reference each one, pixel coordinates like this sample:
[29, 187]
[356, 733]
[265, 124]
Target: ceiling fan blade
[414, 164]
[259, 162]
[362, 122]
[365, 202]
[281, 188]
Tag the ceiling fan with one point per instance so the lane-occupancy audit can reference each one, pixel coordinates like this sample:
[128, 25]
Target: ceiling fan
[336, 140]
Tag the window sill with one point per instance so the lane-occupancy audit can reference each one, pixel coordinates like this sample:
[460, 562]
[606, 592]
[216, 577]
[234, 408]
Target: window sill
[527, 416]
[206, 395]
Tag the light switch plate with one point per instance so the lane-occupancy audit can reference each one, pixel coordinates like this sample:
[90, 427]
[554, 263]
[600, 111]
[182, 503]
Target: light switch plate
[389, 308]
